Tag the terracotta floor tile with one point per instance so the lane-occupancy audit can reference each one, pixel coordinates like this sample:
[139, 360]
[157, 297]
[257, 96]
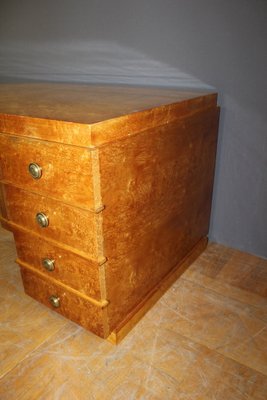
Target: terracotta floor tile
[236, 381]
[246, 272]
[66, 363]
[211, 262]
[258, 303]
[25, 325]
[9, 271]
[213, 320]
[76, 364]
[252, 352]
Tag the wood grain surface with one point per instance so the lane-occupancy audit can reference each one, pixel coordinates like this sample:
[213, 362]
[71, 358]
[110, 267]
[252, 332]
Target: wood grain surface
[127, 125]
[73, 226]
[73, 270]
[3, 212]
[158, 207]
[72, 306]
[127, 176]
[66, 170]
[147, 302]
[88, 115]
[205, 339]
[89, 104]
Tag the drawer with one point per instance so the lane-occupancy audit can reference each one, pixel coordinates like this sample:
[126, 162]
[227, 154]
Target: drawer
[65, 266]
[72, 226]
[66, 171]
[71, 305]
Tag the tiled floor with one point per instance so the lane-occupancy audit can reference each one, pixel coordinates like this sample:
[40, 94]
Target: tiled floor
[205, 339]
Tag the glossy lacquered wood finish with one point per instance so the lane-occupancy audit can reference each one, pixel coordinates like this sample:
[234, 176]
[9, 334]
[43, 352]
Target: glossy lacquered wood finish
[126, 185]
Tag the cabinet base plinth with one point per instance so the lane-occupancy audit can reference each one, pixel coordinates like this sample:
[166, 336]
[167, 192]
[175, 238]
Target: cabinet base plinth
[151, 298]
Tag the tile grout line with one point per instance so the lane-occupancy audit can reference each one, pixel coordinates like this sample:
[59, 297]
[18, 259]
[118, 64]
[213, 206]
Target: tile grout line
[227, 296]
[214, 349]
[32, 351]
[228, 357]
[221, 281]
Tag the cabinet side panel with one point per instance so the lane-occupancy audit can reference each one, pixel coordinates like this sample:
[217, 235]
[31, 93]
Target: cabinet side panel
[157, 190]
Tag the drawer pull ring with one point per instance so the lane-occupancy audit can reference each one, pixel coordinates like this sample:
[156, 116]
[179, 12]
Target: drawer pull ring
[48, 264]
[35, 170]
[54, 301]
[42, 220]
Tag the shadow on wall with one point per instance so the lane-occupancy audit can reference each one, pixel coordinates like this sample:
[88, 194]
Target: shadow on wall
[95, 61]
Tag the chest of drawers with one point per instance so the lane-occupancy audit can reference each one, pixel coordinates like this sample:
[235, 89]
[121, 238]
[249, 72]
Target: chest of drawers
[107, 190]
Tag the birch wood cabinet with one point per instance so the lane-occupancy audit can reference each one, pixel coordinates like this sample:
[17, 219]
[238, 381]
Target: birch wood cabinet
[107, 190]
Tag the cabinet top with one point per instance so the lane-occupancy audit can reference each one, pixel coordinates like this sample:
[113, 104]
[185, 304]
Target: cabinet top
[83, 103]
[99, 107]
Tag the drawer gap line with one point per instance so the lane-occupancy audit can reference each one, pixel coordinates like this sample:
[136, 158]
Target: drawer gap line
[98, 303]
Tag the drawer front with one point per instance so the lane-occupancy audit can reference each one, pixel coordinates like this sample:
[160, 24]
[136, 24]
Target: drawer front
[70, 305]
[66, 224]
[65, 171]
[58, 263]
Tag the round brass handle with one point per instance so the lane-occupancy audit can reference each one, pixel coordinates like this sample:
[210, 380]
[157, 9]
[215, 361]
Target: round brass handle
[42, 220]
[35, 170]
[54, 301]
[48, 264]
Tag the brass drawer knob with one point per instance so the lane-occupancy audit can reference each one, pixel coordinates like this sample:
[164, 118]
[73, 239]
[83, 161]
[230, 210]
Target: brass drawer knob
[54, 301]
[42, 220]
[35, 170]
[48, 264]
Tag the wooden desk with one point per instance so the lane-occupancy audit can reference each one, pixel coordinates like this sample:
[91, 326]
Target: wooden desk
[107, 190]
